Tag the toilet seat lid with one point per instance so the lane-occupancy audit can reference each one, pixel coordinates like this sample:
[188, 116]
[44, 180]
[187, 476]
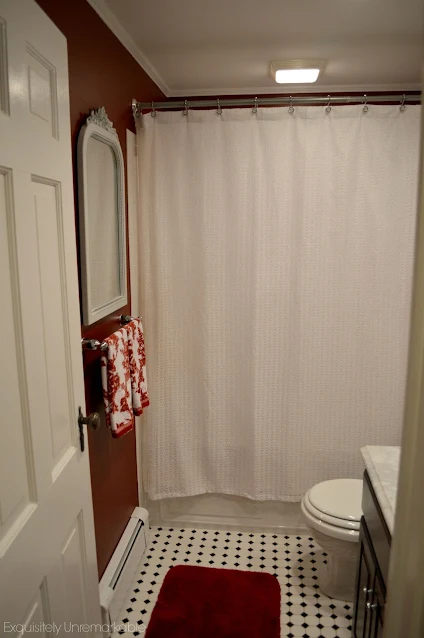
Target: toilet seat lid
[339, 498]
[320, 517]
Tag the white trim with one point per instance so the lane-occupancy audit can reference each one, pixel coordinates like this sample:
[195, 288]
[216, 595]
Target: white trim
[133, 238]
[122, 567]
[404, 614]
[132, 190]
[108, 17]
[294, 88]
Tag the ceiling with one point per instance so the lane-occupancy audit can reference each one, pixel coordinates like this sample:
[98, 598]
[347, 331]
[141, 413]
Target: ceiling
[224, 47]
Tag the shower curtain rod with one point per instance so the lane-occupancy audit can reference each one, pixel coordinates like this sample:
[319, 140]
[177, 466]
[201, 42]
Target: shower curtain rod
[254, 102]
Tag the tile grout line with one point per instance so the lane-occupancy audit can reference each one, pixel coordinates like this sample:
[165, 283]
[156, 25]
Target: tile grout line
[292, 559]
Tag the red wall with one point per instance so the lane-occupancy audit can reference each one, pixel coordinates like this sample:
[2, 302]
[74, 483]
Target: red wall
[103, 73]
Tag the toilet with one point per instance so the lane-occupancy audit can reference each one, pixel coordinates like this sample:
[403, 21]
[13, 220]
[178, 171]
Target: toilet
[332, 512]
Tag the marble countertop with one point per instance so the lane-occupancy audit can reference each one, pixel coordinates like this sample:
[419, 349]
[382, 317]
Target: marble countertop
[382, 464]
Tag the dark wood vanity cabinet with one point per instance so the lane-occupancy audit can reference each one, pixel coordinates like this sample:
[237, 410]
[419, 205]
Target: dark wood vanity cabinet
[373, 565]
[370, 594]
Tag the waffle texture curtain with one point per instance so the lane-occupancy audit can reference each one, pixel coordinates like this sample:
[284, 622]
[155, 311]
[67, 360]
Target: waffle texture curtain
[276, 256]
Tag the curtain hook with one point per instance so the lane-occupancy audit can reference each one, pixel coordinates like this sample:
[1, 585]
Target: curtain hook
[328, 107]
[402, 104]
[365, 107]
[219, 109]
[291, 107]
[185, 112]
[255, 106]
[153, 113]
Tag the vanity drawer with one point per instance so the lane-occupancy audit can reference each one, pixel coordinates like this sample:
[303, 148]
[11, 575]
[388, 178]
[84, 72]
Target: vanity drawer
[379, 533]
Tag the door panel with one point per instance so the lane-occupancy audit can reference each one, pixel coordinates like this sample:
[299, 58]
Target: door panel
[16, 489]
[364, 587]
[73, 570]
[377, 607]
[4, 83]
[48, 223]
[42, 91]
[37, 613]
[48, 569]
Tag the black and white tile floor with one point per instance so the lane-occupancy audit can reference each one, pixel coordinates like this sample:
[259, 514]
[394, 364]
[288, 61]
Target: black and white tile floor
[294, 560]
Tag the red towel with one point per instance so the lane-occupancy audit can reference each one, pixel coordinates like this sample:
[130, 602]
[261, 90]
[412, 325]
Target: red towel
[137, 355]
[116, 382]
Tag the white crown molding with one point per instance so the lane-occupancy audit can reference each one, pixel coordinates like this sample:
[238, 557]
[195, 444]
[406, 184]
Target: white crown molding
[102, 10]
[281, 89]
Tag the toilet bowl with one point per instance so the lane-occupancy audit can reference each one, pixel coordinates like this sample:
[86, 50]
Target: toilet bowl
[332, 512]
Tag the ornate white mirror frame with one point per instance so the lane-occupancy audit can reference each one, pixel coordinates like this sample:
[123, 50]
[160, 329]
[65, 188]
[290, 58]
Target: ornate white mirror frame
[101, 190]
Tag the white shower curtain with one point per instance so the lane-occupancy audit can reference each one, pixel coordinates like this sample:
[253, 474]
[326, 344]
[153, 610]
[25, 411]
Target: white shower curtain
[276, 261]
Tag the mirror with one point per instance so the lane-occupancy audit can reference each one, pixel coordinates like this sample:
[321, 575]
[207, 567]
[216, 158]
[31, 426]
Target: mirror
[102, 218]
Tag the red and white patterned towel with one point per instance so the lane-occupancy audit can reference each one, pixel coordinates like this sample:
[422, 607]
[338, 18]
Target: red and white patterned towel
[116, 382]
[140, 397]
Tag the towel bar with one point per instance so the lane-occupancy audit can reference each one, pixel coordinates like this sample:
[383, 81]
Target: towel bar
[94, 344]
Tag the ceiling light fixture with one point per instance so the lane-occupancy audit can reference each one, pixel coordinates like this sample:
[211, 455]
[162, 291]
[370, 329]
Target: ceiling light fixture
[296, 71]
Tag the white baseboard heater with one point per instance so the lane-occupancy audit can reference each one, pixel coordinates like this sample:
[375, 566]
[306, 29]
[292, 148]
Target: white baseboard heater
[122, 567]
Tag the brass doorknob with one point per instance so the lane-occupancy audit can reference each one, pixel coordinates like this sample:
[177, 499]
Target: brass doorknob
[92, 420]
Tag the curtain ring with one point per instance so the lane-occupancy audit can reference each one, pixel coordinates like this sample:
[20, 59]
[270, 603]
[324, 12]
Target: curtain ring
[402, 104]
[219, 109]
[153, 113]
[255, 106]
[185, 112]
[291, 107]
[328, 107]
[365, 107]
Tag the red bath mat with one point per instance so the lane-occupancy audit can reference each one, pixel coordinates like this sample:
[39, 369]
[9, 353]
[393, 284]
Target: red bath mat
[203, 602]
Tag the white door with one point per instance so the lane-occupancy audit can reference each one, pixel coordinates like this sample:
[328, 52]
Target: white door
[48, 571]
